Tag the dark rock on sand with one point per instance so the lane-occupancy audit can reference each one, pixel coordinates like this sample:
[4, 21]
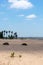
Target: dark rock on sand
[6, 43]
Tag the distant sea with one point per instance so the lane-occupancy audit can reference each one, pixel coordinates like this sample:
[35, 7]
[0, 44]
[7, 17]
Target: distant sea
[39, 38]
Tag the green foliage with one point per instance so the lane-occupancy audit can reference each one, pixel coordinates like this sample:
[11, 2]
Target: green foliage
[1, 34]
[10, 37]
[15, 35]
[12, 54]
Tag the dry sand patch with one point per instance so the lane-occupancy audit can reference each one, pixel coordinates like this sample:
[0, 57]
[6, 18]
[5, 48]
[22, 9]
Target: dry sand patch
[32, 54]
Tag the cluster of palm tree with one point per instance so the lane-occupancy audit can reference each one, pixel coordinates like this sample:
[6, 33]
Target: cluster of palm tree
[9, 34]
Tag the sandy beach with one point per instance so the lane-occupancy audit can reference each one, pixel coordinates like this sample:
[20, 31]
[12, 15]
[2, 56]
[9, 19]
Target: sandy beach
[32, 54]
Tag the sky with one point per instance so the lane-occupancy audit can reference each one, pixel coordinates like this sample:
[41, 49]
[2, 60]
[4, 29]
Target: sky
[22, 16]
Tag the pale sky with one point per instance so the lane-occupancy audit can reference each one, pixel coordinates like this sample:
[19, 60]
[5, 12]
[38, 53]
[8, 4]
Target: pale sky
[22, 16]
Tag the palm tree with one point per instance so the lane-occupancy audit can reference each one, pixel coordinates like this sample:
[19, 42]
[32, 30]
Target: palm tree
[15, 35]
[12, 33]
[1, 34]
[2, 31]
[6, 33]
[9, 33]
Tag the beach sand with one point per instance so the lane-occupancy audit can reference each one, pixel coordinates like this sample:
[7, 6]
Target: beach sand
[32, 54]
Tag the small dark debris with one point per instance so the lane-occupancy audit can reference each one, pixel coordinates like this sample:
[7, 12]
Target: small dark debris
[20, 56]
[24, 44]
[6, 43]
